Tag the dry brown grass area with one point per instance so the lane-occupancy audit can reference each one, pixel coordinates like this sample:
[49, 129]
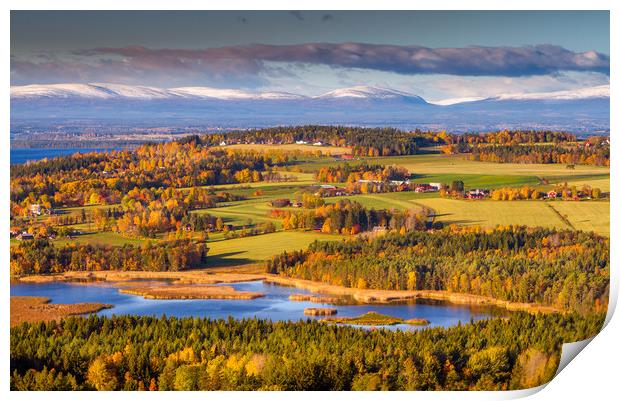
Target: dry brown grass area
[190, 292]
[384, 296]
[201, 276]
[313, 298]
[37, 309]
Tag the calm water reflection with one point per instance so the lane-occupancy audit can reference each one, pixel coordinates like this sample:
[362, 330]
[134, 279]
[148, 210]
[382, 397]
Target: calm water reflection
[275, 305]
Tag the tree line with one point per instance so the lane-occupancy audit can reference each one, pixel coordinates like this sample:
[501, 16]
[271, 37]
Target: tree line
[149, 353]
[42, 257]
[363, 141]
[565, 269]
[373, 142]
[559, 153]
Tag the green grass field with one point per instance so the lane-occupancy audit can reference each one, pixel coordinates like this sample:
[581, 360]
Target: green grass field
[302, 180]
[392, 200]
[258, 248]
[443, 164]
[490, 213]
[586, 216]
[591, 216]
[240, 213]
[603, 183]
[100, 238]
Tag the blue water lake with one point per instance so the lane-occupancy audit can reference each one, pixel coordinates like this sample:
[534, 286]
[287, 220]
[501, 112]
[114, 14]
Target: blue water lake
[21, 156]
[275, 305]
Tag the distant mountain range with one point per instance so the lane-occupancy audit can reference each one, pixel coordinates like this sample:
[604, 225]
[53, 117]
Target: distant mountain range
[114, 91]
[583, 110]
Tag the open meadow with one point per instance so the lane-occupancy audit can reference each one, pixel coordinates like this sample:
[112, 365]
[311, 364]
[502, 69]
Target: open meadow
[587, 216]
[240, 251]
[458, 164]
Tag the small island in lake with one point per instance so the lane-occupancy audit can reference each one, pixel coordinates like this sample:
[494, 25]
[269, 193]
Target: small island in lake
[375, 319]
[189, 292]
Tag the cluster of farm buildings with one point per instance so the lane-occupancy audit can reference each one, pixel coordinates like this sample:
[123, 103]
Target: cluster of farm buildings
[328, 190]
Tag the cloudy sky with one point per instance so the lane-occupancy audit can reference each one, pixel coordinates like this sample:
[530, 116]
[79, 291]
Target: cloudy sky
[435, 54]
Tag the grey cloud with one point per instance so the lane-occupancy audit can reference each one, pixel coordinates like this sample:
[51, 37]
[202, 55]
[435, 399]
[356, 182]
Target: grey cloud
[246, 61]
[474, 61]
[297, 15]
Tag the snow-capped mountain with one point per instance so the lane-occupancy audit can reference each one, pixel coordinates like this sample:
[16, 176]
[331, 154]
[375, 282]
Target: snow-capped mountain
[229, 94]
[596, 92]
[457, 100]
[116, 91]
[92, 91]
[581, 110]
[369, 92]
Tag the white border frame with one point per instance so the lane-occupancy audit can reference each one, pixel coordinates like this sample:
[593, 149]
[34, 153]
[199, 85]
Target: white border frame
[592, 374]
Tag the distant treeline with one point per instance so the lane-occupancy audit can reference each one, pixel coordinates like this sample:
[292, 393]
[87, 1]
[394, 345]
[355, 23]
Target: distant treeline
[147, 353]
[513, 137]
[377, 141]
[542, 154]
[363, 141]
[564, 269]
[41, 257]
[514, 147]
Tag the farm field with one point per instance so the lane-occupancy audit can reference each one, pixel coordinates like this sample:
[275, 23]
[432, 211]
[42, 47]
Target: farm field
[240, 213]
[456, 164]
[490, 213]
[392, 200]
[301, 180]
[424, 168]
[101, 238]
[260, 247]
[106, 238]
[590, 216]
[434, 164]
[602, 183]
[586, 216]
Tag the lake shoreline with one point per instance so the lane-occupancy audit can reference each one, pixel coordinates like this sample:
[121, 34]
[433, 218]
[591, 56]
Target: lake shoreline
[250, 273]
